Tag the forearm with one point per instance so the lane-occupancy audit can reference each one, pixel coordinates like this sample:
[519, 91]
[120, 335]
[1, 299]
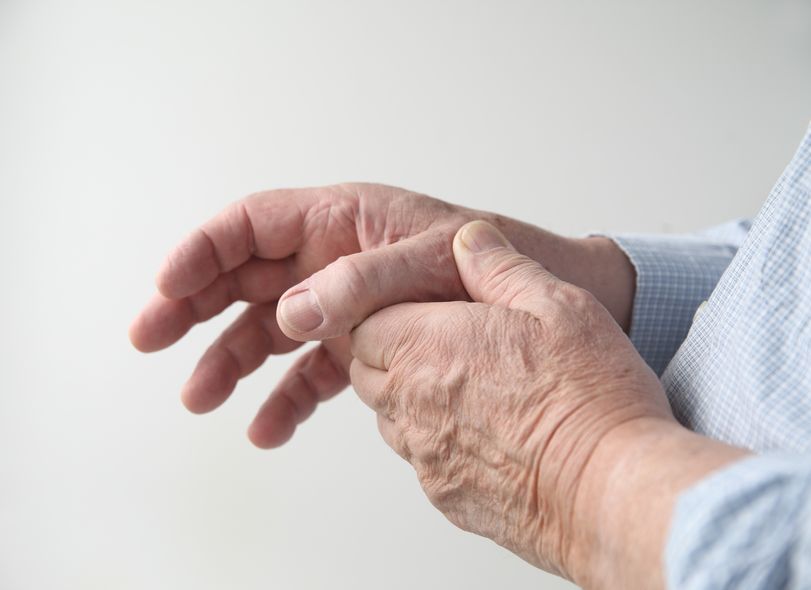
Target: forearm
[627, 498]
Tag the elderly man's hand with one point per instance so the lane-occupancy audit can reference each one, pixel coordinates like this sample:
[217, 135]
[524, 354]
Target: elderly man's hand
[502, 406]
[330, 257]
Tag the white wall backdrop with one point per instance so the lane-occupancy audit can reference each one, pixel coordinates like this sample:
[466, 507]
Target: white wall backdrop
[123, 124]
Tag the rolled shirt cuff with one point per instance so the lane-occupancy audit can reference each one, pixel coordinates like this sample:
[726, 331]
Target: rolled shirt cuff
[675, 274]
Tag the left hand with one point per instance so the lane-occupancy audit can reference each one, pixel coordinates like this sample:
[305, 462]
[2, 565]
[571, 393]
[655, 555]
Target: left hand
[330, 255]
[500, 404]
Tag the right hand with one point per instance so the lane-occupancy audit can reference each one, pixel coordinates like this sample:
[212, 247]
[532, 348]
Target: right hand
[358, 248]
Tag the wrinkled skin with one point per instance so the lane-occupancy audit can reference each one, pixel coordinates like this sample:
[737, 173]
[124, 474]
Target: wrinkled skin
[360, 246]
[527, 414]
[500, 405]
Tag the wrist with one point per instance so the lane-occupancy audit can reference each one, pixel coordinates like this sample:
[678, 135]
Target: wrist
[609, 275]
[626, 498]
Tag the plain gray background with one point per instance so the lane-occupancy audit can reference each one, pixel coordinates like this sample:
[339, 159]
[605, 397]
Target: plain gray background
[125, 124]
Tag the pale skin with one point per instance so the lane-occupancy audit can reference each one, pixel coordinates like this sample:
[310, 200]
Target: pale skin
[495, 360]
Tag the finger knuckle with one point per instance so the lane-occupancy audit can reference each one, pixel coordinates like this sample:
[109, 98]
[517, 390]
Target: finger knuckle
[508, 280]
[354, 277]
[575, 298]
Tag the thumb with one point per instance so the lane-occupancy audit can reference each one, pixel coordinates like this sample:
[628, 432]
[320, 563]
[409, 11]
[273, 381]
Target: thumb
[493, 272]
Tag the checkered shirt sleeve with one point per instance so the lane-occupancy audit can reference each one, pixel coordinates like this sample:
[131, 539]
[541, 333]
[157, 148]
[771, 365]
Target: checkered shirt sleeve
[674, 275]
[745, 527]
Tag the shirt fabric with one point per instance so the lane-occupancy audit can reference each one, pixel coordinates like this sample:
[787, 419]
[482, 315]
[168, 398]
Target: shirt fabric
[737, 369]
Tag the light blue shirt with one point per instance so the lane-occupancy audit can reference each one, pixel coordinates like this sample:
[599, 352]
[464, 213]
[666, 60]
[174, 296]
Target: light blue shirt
[737, 369]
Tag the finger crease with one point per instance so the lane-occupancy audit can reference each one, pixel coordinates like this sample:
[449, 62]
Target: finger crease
[214, 255]
[249, 231]
[309, 386]
[290, 402]
[234, 358]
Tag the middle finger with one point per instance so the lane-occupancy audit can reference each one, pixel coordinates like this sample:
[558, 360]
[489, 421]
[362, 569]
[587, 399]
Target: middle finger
[239, 350]
[164, 321]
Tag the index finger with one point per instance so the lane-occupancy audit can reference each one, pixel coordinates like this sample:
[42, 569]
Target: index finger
[385, 335]
[267, 225]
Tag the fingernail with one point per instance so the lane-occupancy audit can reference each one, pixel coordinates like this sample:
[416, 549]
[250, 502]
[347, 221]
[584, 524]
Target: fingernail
[302, 312]
[480, 236]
